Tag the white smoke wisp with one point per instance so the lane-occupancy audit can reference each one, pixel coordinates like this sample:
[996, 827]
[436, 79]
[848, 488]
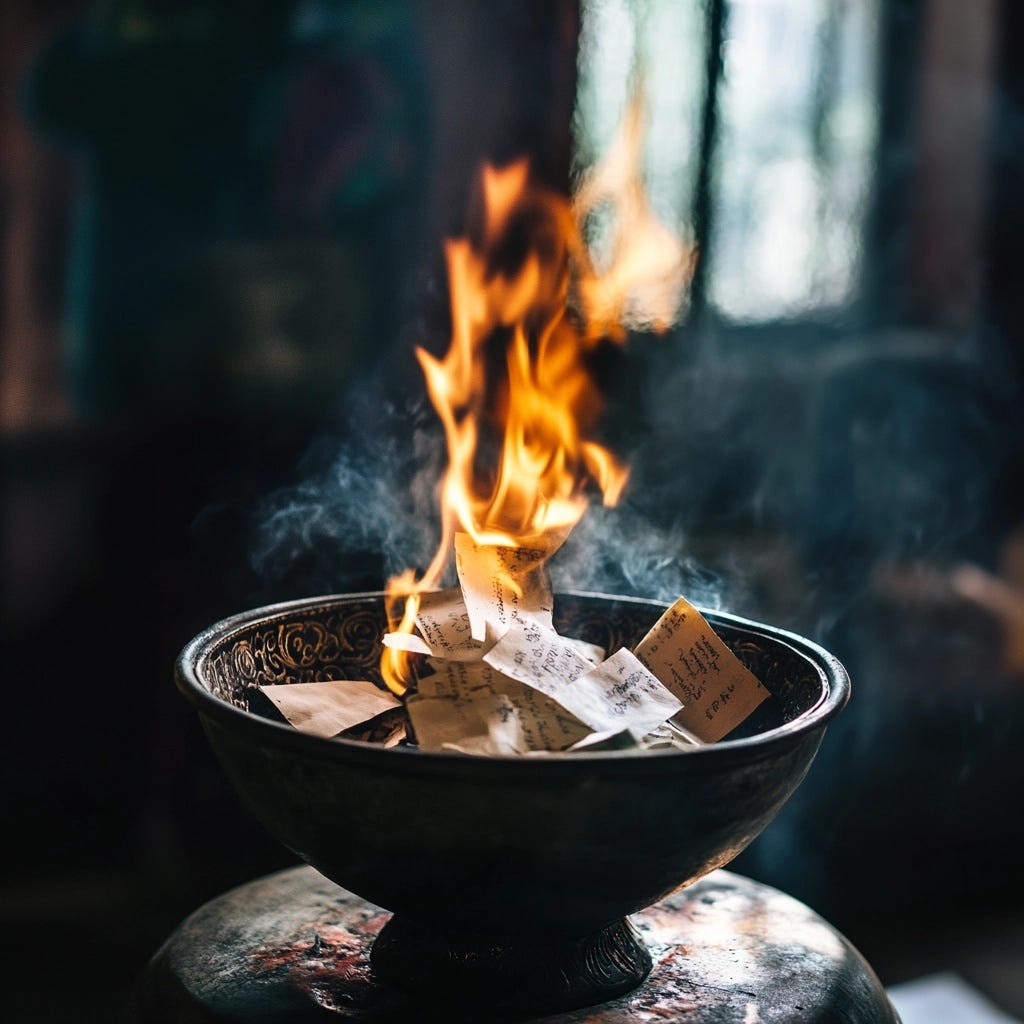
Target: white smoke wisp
[620, 551]
[373, 509]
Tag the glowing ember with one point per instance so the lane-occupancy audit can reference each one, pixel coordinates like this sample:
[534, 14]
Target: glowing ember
[514, 392]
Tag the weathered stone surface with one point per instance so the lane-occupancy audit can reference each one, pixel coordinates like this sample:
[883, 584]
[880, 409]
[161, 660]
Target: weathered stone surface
[295, 947]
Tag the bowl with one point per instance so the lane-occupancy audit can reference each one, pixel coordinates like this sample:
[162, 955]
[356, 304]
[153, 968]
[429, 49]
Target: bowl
[510, 871]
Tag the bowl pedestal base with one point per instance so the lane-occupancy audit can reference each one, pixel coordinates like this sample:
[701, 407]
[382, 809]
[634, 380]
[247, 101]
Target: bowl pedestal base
[295, 947]
[532, 972]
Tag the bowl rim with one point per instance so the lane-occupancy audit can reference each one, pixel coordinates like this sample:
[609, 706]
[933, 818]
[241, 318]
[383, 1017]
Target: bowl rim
[191, 664]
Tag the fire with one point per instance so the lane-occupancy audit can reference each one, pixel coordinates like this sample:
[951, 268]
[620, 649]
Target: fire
[514, 392]
[644, 272]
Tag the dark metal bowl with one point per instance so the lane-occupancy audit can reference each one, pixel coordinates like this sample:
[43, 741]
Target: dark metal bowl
[556, 845]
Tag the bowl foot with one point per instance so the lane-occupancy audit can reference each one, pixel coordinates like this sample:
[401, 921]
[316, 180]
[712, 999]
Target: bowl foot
[529, 972]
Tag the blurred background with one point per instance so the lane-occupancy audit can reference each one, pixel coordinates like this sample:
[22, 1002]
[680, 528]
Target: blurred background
[221, 231]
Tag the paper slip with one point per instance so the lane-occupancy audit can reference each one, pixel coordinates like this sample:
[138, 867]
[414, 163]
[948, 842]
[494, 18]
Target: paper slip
[620, 694]
[615, 695]
[481, 722]
[327, 708]
[394, 737]
[408, 642]
[456, 678]
[480, 745]
[538, 657]
[502, 585]
[546, 725]
[443, 619]
[624, 740]
[717, 690]
[387, 730]
[669, 736]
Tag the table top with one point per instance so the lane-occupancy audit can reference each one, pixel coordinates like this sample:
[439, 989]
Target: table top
[294, 947]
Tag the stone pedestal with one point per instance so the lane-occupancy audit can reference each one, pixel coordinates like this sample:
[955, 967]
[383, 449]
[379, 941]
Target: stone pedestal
[293, 947]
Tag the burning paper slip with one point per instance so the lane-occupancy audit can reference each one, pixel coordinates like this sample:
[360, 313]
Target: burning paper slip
[445, 632]
[504, 585]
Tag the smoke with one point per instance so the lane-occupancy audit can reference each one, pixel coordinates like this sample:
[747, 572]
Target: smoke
[372, 511]
[773, 487]
[369, 513]
[620, 551]
[366, 507]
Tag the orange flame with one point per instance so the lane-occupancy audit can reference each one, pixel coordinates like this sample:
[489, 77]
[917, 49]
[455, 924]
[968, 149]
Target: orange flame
[518, 428]
[647, 267]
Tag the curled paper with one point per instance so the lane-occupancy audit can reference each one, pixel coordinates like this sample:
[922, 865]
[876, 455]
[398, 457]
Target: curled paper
[503, 585]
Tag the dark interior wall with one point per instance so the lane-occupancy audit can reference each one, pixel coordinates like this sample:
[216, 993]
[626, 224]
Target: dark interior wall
[233, 222]
[1006, 211]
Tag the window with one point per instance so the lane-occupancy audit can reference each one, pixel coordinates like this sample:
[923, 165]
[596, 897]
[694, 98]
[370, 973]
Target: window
[787, 142]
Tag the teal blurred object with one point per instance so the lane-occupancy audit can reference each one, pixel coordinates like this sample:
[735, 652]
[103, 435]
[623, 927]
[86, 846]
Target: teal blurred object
[248, 199]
